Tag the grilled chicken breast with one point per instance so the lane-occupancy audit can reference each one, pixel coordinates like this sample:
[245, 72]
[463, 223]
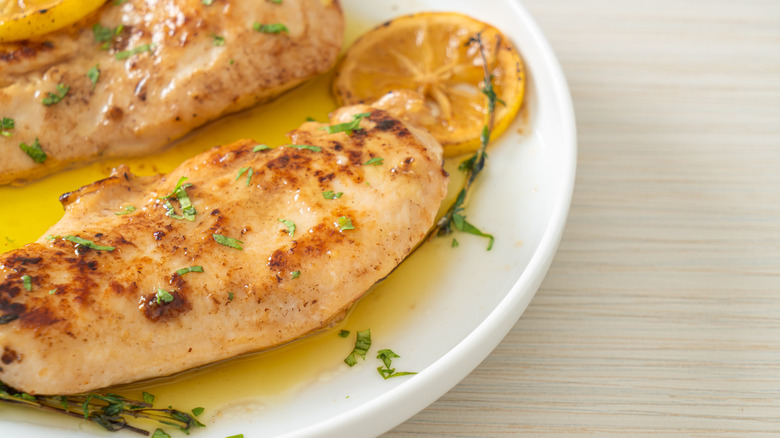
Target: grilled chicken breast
[165, 67]
[286, 239]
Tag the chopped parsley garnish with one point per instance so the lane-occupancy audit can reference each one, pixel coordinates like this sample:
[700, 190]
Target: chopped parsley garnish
[362, 344]
[295, 274]
[105, 35]
[164, 296]
[227, 241]
[52, 98]
[278, 2]
[6, 125]
[207, 2]
[376, 161]
[84, 242]
[249, 172]
[460, 223]
[310, 119]
[240, 435]
[347, 127]
[27, 282]
[328, 194]
[94, 74]
[197, 411]
[219, 41]
[196, 268]
[345, 223]
[290, 226]
[344, 333]
[455, 243]
[124, 54]
[148, 398]
[53, 291]
[270, 28]
[119, 2]
[386, 372]
[260, 147]
[127, 209]
[34, 151]
[230, 296]
[180, 192]
[305, 146]
[159, 433]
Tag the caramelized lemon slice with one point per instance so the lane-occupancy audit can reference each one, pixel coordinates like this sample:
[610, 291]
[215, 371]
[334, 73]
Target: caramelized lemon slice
[430, 55]
[22, 19]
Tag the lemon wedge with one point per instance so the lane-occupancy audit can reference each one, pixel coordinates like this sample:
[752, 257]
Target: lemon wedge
[430, 55]
[22, 19]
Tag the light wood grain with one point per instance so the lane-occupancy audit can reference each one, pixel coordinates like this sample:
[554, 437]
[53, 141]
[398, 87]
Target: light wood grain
[660, 315]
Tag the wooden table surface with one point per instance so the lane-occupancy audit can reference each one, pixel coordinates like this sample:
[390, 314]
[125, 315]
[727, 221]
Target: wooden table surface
[660, 315]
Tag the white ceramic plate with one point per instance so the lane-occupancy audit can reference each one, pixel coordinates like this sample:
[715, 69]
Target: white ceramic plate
[472, 297]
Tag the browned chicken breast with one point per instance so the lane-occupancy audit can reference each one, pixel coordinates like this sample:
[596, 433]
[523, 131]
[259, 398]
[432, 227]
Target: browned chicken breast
[147, 276]
[130, 78]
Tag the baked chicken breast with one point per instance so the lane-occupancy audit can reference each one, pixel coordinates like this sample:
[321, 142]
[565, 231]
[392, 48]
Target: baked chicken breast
[131, 77]
[148, 276]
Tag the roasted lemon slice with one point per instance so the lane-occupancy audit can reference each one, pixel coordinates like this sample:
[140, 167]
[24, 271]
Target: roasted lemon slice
[22, 19]
[431, 55]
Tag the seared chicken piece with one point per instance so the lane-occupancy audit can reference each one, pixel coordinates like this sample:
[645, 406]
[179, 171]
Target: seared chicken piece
[165, 67]
[315, 223]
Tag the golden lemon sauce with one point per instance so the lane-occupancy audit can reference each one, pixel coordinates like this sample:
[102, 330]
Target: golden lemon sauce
[27, 212]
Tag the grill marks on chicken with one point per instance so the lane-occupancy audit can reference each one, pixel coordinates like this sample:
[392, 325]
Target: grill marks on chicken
[201, 62]
[94, 318]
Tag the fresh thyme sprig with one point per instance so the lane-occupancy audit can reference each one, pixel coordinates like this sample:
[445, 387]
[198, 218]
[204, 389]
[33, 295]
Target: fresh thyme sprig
[111, 411]
[453, 218]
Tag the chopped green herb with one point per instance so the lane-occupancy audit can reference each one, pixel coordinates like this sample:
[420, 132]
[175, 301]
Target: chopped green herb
[52, 98]
[344, 333]
[270, 28]
[84, 242]
[124, 54]
[196, 268]
[295, 274]
[376, 161]
[386, 372]
[290, 226]
[207, 2]
[328, 194]
[305, 146]
[227, 241]
[5, 125]
[160, 434]
[35, 151]
[345, 223]
[197, 411]
[53, 291]
[455, 243]
[27, 281]
[249, 172]
[164, 296]
[105, 35]
[310, 119]
[218, 40]
[148, 398]
[232, 61]
[230, 296]
[119, 2]
[362, 344]
[94, 74]
[260, 147]
[278, 2]
[127, 209]
[240, 435]
[347, 127]
[187, 209]
[460, 223]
